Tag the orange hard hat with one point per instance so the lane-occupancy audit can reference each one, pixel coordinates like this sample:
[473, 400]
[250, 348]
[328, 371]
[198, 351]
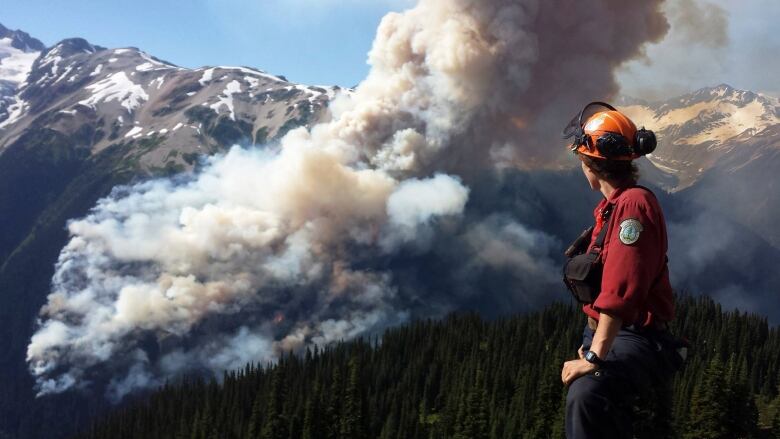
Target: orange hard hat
[608, 134]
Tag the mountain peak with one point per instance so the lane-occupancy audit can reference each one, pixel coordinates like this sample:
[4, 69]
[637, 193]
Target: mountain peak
[73, 46]
[21, 40]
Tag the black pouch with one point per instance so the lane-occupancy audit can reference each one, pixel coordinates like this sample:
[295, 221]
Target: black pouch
[582, 275]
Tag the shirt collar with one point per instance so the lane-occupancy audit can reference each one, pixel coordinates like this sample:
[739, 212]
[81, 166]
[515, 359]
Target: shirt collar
[613, 198]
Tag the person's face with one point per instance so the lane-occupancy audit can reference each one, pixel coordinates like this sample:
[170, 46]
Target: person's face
[593, 180]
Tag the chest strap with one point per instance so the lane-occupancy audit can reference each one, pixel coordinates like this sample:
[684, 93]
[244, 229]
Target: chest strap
[599, 244]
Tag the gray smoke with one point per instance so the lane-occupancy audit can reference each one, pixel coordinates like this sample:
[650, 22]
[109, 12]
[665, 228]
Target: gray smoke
[694, 53]
[354, 225]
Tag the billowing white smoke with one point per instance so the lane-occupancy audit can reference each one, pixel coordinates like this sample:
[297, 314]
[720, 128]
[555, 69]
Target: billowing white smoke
[245, 233]
[265, 251]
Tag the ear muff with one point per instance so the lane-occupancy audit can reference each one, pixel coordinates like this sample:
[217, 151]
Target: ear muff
[645, 141]
[609, 145]
[613, 145]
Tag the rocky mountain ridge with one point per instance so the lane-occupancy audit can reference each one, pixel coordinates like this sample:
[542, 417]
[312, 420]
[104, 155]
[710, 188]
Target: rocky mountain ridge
[697, 131]
[103, 97]
[18, 51]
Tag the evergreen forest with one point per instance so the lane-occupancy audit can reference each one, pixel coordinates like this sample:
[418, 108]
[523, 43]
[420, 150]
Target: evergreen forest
[464, 377]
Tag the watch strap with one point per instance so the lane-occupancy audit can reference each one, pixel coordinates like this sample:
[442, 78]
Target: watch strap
[592, 358]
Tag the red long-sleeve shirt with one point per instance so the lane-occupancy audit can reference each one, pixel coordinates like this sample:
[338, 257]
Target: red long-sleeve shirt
[635, 282]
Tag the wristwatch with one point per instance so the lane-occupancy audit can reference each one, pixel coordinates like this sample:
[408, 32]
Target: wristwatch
[592, 358]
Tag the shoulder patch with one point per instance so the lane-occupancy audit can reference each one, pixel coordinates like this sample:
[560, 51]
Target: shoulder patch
[630, 230]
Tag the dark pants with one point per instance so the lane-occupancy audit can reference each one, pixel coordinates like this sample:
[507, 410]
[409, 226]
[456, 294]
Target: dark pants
[604, 404]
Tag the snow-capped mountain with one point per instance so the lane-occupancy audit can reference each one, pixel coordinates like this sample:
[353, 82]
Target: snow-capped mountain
[105, 97]
[18, 51]
[76, 121]
[699, 130]
[719, 149]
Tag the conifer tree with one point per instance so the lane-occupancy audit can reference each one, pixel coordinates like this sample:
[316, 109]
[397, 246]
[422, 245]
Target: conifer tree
[352, 416]
[274, 425]
[709, 405]
[475, 424]
[311, 415]
[333, 407]
[458, 377]
[776, 418]
[255, 419]
[742, 416]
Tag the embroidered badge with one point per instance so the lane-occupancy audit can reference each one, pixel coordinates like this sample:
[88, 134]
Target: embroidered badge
[629, 231]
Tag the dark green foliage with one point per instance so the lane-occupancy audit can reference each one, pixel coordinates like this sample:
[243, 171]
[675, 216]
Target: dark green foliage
[200, 114]
[176, 98]
[224, 130]
[460, 377]
[229, 132]
[190, 157]
[261, 136]
[33, 173]
[709, 404]
[304, 117]
[52, 180]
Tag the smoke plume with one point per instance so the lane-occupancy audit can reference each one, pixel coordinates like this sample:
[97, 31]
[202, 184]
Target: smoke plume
[361, 222]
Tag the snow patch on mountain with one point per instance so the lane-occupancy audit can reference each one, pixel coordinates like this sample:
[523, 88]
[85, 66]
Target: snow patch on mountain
[134, 131]
[226, 98]
[711, 115]
[697, 130]
[15, 64]
[255, 72]
[208, 74]
[116, 87]
[52, 58]
[97, 70]
[15, 111]
[152, 63]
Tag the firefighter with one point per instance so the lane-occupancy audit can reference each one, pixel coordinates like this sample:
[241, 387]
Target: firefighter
[620, 275]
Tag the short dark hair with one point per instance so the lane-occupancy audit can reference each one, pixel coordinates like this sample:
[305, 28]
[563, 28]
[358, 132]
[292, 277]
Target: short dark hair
[616, 171]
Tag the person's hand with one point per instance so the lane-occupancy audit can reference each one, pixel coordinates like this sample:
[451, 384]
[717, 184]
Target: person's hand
[581, 351]
[576, 368]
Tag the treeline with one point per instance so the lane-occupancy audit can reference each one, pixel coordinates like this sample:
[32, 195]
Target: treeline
[463, 377]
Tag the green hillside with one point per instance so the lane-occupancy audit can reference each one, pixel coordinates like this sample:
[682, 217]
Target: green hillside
[462, 377]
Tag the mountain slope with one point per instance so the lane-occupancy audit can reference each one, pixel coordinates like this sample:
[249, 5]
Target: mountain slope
[719, 150]
[108, 96]
[699, 129]
[78, 119]
[18, 52]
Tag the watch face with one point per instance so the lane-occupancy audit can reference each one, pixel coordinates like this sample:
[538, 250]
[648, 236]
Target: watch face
[591, 357]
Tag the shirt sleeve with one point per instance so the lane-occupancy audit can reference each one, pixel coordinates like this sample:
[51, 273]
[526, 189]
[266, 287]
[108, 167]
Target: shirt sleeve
[631, 261]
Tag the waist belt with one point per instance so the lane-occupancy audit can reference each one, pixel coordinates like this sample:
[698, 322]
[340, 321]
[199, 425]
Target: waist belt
[655, 326]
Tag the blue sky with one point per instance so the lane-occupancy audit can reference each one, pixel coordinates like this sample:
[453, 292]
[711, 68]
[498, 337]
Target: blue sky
[309, 41]
[326, 41]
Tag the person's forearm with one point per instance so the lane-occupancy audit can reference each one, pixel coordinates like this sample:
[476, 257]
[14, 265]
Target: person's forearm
[605, 335]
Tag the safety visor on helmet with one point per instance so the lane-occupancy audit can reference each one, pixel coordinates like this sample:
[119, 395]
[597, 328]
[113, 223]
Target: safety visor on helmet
[576, 130]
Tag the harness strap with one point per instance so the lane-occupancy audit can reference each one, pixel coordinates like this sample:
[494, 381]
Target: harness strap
[599, 244]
